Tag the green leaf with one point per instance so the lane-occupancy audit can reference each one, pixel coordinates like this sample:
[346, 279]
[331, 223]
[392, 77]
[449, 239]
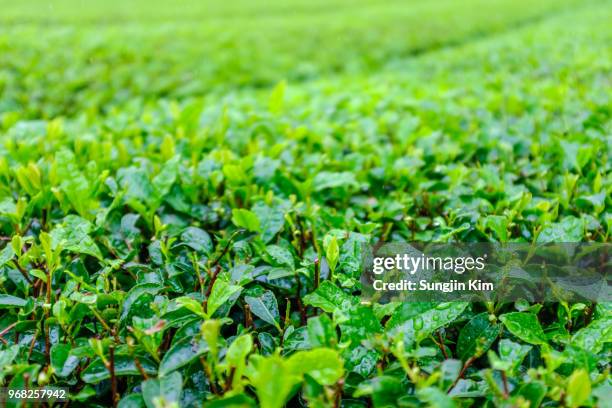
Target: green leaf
[570, 229]
[332, 252]
[190, 304]
[62, 362]
[235, 401]
[164, 180]
[435, 397]
[131, 401]
[595, 201]
[578, 388]
[407, 311]
[9, 301]
[272, 379]
[534, 392]
[271, 220]
[245, 219]
[525, 326]
[73, 235]
[280, 256]
[279, 273]
[324, 365]
[211, 330]
[295, 339]
[137, 186]
[477, 336]
[239, 349]
[359, 328]
[265, 307]
[6, 255]
[361, 324]
[6, 358]
[499, 224]
[511, 355]
[73, 183]
[329, 297]
[86, 299]
[37, 273]
[420, 326]
[222, 292]
[197, 239]
[134, 294]
[326, 180]
[88, 392]
[321, 332]
[277, 97]
[385, 390]
[124, 366]
[183, 352]
[162, 392]
[593, 337]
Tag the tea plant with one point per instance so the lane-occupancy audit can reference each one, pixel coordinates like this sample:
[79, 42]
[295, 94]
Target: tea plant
[170, 239]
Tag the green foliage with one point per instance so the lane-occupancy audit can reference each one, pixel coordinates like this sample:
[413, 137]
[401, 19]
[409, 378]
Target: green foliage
[477, 336]
[525, 326]
[185, 191]
[578, 388]
[245, 219]
[265, 307]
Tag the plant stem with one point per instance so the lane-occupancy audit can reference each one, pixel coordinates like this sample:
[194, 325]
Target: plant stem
[32, 343]
[47, 342]
[298, 299]
[101, 319]
[338, 393]
[317, 273]
[441, 345]
[111, 369]
[229, 380]
[213, 279]
[302, 231]
[207, 370]
[23, 272]
[505, 382]
[225, 249]
[6, 330]
[248, 317]
[140, 368]
[467, 364]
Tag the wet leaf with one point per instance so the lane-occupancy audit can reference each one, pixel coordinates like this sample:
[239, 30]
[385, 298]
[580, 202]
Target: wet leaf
[96, 371]
[265, 307]
[525, 326]
[477, 336]
[182, 353]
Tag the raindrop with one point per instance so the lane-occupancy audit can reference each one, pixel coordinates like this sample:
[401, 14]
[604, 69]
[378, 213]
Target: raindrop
[418, 323]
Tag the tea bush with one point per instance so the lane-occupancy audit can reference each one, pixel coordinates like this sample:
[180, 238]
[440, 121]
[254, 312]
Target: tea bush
[185, 191]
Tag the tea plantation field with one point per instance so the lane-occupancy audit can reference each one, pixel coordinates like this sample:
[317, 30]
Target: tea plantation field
[185, 188]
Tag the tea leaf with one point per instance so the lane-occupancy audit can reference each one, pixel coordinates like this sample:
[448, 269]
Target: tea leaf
[525, 326]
